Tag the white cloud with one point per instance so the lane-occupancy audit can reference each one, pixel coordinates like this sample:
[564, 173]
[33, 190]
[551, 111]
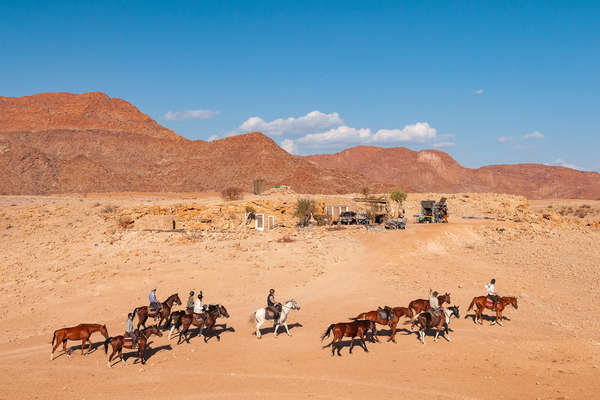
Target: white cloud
[189, 114]
[479, 91]
[420, 132]
[340, 135]
[213, 138]
[311, 122]
[534, 135]
[440, 145]
[505, 139]
[289, 146]
[562, 163]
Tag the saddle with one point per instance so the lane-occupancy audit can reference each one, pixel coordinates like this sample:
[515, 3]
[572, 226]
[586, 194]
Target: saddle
[128, 343]
[435, 318]
[269, 314]
[382, 314]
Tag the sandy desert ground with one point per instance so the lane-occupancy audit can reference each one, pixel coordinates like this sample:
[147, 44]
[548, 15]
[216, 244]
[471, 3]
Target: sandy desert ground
[64, 262]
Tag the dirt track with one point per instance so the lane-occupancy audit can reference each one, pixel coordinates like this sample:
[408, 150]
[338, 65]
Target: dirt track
[61, 271]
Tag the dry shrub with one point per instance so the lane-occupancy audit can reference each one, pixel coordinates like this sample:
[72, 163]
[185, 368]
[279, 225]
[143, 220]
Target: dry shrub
[125, 221]
[304, 209]
[232, 193]
[109, 209]
[286, 239]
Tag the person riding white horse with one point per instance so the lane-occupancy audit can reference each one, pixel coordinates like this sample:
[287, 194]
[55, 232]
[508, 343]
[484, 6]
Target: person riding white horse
[260, 316]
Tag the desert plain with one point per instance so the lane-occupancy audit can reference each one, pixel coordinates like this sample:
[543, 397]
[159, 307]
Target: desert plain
[69, 259]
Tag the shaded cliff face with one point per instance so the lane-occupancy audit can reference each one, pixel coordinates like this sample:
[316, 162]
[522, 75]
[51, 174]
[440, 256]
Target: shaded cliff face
[436, 171]
[63, 143]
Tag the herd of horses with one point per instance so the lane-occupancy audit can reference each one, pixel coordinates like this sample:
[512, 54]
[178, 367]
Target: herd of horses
[417, 312]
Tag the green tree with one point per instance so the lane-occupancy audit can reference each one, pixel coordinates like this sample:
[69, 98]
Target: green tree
[304, 209]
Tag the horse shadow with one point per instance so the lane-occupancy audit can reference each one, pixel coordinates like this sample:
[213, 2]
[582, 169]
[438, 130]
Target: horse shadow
[150, 351]
[347, 343]
[74, 348]
[486, 317]
[217, 332]
[388, 333]
[280, 330]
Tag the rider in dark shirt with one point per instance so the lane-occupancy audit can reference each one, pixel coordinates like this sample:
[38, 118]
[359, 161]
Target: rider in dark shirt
[271, 304]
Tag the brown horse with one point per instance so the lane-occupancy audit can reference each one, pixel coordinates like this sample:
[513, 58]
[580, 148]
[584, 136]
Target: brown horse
[205, 321]
[399, 312]
[381, 316]
[439, 323]
[144, 312]
[482, 303]
[348, 329]
[420, 305]
[80, 332]
[119, 342]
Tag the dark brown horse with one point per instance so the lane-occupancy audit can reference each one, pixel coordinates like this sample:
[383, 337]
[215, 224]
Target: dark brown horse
[482, 303]
[399, 312]
[420, 305]
[205, 321]
[438, 323]
[144, 312]
[80, 332]
[348, 329]
[381, 316]
[118, 343]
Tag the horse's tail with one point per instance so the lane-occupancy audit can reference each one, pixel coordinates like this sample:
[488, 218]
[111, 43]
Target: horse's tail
[178, 321]
[410, 314]
[169, 320]
[359, 316]
[326, 334]
[133, 313]
[471, 305]
[106, 342]
[415, 322]
[53, 338]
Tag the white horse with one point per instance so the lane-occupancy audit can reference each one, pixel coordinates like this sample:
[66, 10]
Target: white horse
[259, 316]
[448, 313]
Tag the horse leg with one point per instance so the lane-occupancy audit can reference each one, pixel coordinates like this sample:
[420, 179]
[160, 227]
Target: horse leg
[258, 325]
[499, 317]
[286, 328]
[122, 359]
[171, 332]
[362, 340]
[276, 329]
[54, 348]
[67, 352]
[422, 335]
[393, 334]
[351, 344]
[83, 339]
[437, 333]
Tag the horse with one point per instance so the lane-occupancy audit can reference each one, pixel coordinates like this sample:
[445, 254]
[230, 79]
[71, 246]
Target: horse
[175, 321]
[481, 303]
[119, 342]
[420, 305]
[260, 317]
[205, 321]
[399, 312]
[381, 316]
[426, 320]
[80, 332]
[144, 312]
[348, 329]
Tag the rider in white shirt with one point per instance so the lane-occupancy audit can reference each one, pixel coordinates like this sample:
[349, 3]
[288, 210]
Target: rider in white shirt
[491, 290]
[198, 306]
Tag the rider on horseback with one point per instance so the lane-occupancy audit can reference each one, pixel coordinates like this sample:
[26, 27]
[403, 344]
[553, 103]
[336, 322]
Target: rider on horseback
[199, 308]
[491, 290]
[434, 305]
[272, 305]
[189, 307]
[130, 331]
[154, 302]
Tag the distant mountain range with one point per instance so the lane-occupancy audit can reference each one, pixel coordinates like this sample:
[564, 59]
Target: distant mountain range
[69, 143]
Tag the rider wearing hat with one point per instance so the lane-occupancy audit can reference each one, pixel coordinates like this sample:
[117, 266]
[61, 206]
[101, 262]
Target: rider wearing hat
[198, 306]
[491, 292]
[189, 307]
[272, 304]
[154, 301]
[434, 304]
[129, 329]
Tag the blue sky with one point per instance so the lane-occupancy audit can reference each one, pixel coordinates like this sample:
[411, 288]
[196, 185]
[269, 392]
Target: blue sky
[488, 82]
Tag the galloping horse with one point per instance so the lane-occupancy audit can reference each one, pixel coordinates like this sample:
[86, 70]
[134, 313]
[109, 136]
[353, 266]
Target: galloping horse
[144, 312]
[119, 342]
[420, 305]
[481, 302]
[80, 332]
[260, 317]
[427, 320]
[205, 321]
[381, 316]
[399, 312]
[348, 329]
